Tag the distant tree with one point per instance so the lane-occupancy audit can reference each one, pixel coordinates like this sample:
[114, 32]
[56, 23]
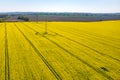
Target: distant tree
[20, 17]
[26, 18]
[23, 18]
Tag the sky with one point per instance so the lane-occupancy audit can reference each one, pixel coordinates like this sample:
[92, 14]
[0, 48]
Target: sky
[93, 6]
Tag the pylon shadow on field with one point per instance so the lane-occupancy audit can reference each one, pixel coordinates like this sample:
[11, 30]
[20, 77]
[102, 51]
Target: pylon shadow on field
[105, 69]
[45, 34]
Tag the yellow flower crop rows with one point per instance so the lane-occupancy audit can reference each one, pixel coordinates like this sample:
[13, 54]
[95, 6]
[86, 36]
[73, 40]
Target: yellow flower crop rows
[68, 51]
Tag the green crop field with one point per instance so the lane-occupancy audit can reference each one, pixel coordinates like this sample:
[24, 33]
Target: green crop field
[68, 51]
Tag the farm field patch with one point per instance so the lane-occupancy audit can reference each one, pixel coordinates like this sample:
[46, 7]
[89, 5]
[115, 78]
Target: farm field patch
[68, 51]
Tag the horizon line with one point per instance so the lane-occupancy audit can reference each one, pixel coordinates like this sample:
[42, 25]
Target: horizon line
[52, 12]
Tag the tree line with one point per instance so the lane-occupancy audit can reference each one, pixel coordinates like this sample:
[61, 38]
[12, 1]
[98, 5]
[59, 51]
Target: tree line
[23, 18]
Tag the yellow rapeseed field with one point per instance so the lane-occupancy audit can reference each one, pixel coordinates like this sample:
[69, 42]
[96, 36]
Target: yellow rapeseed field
[67, 51]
